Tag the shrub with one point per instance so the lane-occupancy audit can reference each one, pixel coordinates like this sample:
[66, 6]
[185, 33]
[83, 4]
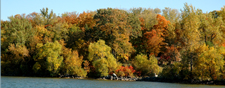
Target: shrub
[172, 71]
[125, 71]
[146, 67]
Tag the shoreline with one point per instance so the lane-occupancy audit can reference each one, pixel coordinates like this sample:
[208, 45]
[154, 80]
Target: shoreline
[140, 79]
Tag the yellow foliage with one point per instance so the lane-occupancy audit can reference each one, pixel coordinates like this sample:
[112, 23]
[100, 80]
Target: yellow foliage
[201, 49]
[73, 63]
[51, 53]
[209, 64]
[18, 50]
[147, 67]
[103, 61]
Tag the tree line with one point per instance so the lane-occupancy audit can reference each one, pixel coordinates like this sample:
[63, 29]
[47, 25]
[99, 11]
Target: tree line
[185, 44]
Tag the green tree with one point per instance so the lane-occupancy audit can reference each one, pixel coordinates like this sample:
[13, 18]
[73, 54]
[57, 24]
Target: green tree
[133, 20]
[171, 15]
[149, 16]
[48, 57]
[147, 67]
[172, 71]
[16, 34]
[15, 29]
[101, 58]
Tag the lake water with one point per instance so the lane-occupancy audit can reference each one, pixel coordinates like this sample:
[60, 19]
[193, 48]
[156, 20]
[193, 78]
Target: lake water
[37, 82]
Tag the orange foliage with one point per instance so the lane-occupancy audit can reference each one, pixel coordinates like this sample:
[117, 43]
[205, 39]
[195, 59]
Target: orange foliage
[142, 24]
[162, 22]
[71, 18]
[85, 19]
[31, 18]
[19, 51]
[86, 65]
[156, 36]
[125, 71]
[154, 42]
[80, 20]
[223, 44]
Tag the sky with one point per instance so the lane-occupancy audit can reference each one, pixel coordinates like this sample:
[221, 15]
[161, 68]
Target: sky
[13, 7]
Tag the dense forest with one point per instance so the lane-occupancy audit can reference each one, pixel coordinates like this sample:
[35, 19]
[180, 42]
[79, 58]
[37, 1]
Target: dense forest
[140, 42]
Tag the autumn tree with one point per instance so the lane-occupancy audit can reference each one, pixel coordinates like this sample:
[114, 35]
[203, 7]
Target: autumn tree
[147, 66]
[58, 30]
[135, 23]
[48, 58]
[101, 58]
[190, 36]
[155, 37]
[210, 28]
[173, 16]
[93, 43]
[116, 31]
[190, 33]
[70, 18]
[125, 71]
[170, 55]
[72, 64]
[221, 13]
[136, 32]
[15, 29]
[14, 61]
[80, 31]
[209, 64]
[15, 37]
[221, 50]
[48, 19]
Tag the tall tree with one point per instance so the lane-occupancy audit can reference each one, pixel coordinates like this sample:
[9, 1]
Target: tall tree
[190, 36]
[190, 24]
[155, 38]
[101, 58]
[48, 58]
[209, 64]
[116, 31]
[72, 64]
[211, 28]
[172, 15]
[15, 30]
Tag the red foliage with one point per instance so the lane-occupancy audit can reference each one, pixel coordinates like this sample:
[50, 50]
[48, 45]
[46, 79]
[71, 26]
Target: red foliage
[110, 73]
[138, 73]
[165, 57]
[127, 70]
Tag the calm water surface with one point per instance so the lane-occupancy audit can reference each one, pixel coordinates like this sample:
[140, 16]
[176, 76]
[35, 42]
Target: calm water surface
[36, 82]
